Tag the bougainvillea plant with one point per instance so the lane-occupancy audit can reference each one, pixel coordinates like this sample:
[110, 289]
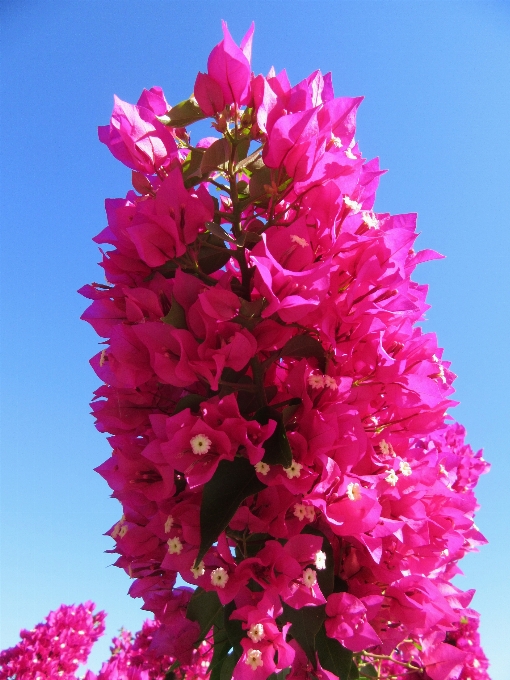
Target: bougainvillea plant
[277, 415]
[55, 649]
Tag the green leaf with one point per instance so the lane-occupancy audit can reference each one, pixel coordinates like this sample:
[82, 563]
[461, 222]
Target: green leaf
[221, 649]
[218, 231]
[325, 577]
[249, 160]
[227, 669]
[333, 656]
[182, 114]
[368, 671]
[191, 401]
[353, 672]
[304, 346]
[277, 448]
[281, 675]
[206, 609]
[191, 166]
[211, 259]
[232, 482]
[306, 623]
[259, 179]
[176, 317]
[170, 674]
[233, 627]
[215, 156]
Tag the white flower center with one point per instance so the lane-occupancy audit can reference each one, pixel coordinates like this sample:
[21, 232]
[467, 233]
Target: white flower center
[309, 577]
[294, 470]
[405, 468]
[353, 205]
[299, 511]
[219, 577]
[174, 546]
[256, 632]
[391, 478]
[254, 658]
[198, 571]
[169, 524]
[353, 491]
[200, 444]
[320, 560]
[262, 468]
[316, 381]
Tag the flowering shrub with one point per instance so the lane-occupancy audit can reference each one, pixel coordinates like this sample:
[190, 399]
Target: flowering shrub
[277, 416]
[55, 648]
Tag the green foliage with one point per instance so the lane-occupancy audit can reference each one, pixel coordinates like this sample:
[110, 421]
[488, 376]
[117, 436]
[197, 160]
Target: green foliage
[232, 482]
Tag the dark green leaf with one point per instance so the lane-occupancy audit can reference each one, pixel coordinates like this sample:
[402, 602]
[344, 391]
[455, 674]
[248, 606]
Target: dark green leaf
[306, 623]
[176, 317]
[191, 401]
[277, 448]
[170, 674]
[259, 179]
[218, 231]
[211, 259]
[291, 408]
[233, 627]
[206, 609]
[304, 346]
[227, 669]
[215, 156]
[333, 656]
[191, 166]
[182, 114]
[221, 649]
[249, 160]
[232, 482]
[340, 585]
[353, 672]
[281, 675]
[241, 151]
[325, 577]
[368, 671]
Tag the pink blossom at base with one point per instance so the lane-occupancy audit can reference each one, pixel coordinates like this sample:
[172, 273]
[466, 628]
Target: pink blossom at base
[56, 647]
[260, 315]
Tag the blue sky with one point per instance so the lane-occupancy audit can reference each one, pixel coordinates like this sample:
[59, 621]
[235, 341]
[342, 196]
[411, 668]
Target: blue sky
[435, 74]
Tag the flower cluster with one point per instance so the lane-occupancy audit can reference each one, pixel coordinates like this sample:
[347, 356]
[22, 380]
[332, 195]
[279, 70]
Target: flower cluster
[278, 417]
[55, 648]
[132, 659]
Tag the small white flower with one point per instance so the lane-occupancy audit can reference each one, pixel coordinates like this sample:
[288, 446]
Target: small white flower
[309, 577]
[300, 511]
[370, 219]
[405, 468]
[256, 632]
[200, 444]
[294, 470]
[169, 524]
[300, 241]
[353, 205]
[219, 577]
[123, 530]
[199, 570]
[442, 469]
[320, 560]
[391, 478]
[174, 546]
[330, 382]
[353, 491]
[310, 512]
[348, 151]
[316, 382]
[386, 449]
[336, 141]
[254, 658]
[262, 468]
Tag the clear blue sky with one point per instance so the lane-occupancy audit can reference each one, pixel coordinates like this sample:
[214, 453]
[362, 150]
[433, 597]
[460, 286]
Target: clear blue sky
[435, 74]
